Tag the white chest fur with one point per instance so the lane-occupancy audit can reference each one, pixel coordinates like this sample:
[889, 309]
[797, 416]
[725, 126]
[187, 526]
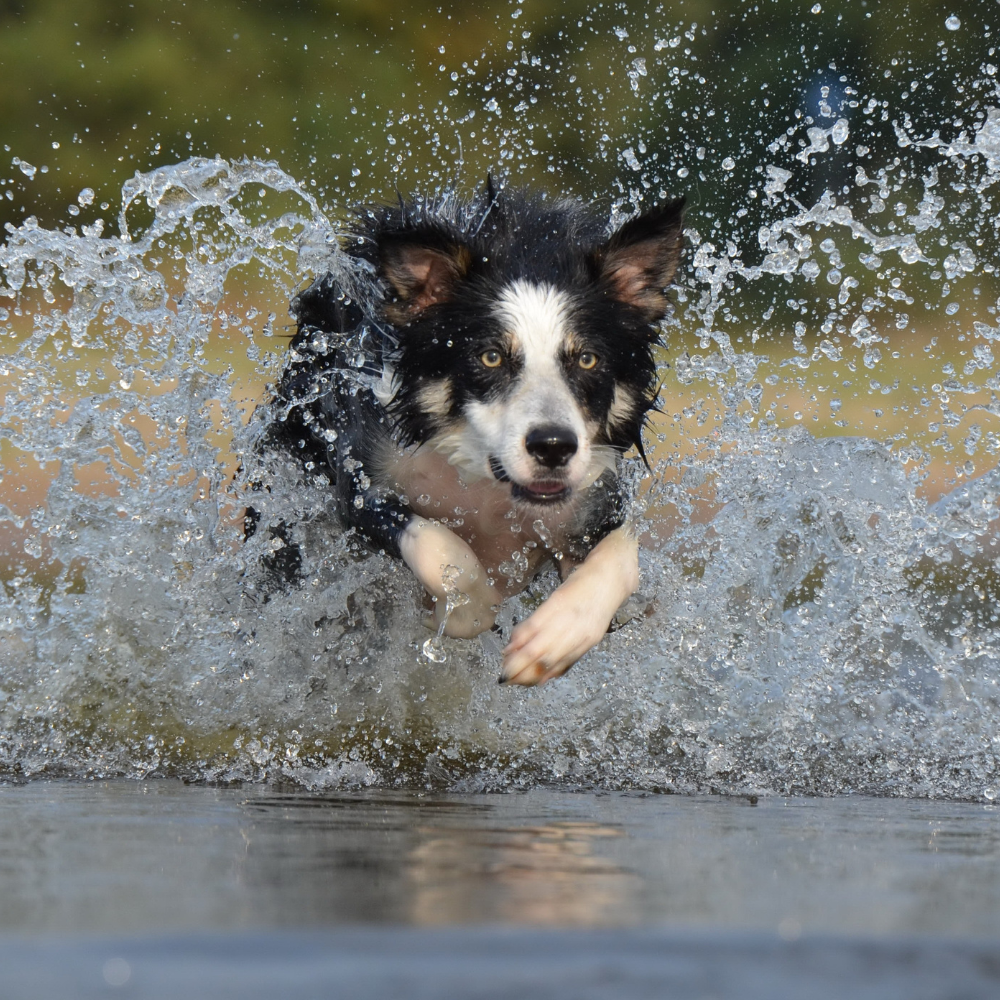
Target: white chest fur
[511, 540]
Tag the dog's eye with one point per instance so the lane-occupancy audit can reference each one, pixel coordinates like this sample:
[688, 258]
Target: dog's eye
[491, 358]
[587, 361]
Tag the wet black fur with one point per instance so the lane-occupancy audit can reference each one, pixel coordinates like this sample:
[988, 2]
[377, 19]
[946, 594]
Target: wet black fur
[491, 241]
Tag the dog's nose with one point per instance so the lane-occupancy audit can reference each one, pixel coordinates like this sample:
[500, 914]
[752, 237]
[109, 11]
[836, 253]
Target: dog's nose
[551, 445]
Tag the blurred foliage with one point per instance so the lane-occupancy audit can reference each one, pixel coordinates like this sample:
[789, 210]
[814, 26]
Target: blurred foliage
[91, 92]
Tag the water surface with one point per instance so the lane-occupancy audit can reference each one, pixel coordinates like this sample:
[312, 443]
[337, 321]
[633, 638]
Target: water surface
[152, 856]
[154, 890]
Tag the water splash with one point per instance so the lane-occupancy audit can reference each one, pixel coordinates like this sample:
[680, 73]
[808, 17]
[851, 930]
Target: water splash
[809, 621]
[433, 648]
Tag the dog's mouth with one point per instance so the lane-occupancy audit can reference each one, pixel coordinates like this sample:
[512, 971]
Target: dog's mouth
[539, 491]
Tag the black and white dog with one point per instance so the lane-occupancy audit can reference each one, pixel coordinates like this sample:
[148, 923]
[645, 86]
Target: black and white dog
[471, 401]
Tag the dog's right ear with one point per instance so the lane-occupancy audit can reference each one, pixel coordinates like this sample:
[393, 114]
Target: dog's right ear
[421, 274]
[641, 258]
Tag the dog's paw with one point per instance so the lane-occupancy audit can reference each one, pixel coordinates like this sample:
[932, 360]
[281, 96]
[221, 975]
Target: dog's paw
[572, 621]
[576, 616]
[464, 597]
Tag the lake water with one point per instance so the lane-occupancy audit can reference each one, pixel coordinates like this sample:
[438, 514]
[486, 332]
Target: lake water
[155, 888]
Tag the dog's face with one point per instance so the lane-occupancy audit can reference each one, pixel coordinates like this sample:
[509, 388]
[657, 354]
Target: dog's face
[526, 349]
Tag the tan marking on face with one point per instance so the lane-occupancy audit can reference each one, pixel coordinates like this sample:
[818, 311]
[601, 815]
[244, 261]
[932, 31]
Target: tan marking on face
[435, 397]
[622, 407]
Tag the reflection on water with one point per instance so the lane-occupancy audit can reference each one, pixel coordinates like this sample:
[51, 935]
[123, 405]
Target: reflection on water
[438, 861]
[552, 874]
[129, 857]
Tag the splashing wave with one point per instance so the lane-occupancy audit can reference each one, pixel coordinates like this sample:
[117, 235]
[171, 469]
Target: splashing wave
[814, 625]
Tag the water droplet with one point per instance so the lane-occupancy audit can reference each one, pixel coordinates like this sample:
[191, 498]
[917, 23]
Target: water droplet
[628, 155]
[728, 163]
[816, 9]
[953, 23]
[434, 650]
[116, 972]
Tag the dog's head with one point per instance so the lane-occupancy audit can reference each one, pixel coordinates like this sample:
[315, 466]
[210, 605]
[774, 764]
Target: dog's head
[525, 334]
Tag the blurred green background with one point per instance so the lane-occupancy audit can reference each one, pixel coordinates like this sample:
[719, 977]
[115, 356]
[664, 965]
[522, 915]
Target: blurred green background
[91, 92]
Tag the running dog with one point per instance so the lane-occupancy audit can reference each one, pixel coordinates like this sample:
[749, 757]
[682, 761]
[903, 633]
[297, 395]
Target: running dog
[470, 398]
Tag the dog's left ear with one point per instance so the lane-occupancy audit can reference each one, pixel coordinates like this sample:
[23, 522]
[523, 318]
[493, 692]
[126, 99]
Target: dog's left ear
[641, 258]
[422, 274]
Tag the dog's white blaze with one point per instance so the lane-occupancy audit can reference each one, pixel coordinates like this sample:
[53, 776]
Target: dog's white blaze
[537, 316]
[537, 320]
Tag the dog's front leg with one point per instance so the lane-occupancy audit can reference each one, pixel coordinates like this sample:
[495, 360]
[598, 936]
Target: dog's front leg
[576, 615]
[447, 567]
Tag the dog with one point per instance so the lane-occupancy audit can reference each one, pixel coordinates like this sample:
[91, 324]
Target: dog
[469, 391]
